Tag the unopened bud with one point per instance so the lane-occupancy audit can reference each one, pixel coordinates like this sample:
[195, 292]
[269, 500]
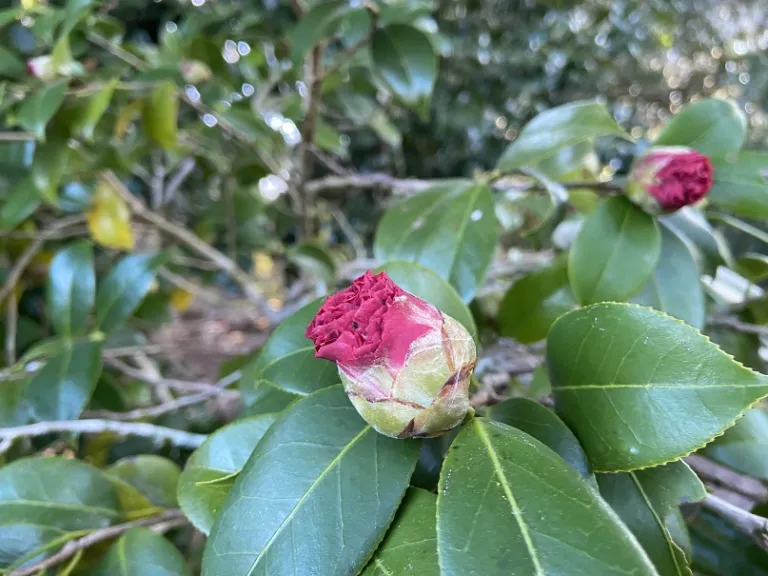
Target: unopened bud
[41, 67]
[667, 178]
[404, 364]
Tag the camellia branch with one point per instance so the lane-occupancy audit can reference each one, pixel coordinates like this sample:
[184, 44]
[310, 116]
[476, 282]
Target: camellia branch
[720, 475]
[165, 521]
[178, 385]
[311, 103]
[746, 522]
[222, 261]
[93, 426]
[739, 326]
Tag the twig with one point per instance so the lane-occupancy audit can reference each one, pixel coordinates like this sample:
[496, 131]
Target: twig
[95, 426]
[158, 180]
[720, 475]
[186, 284]
[178, 385]
[347, 53]
[165, 408]
[311, 103]
[11, 324]
[185, 168]
[738, 325]
[222, 261]
[746, 522]
[169, 519]
[34, 247]
[349, 231]
[329, 162]
[131, 350]
[16, 136]
[33, 235]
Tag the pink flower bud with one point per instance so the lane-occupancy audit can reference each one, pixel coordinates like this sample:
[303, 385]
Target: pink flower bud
[667, 178]
[41, 67]
[404, 364]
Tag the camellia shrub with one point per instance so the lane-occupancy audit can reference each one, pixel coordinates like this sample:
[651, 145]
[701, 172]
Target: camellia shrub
[549, 367]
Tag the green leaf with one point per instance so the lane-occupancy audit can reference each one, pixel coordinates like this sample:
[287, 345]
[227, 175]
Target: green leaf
[21, 204]
[48, 166]
[154, 476]
[262, 396]
[160, 113]
[319, 465]
[534, 302]
[544, 425]
[24, 544]
[13, 411]
[745, 446]
[9, 15]
[740, 184]
[557, 128]
[88, 113]
[141, 552]
[314, 259]
[320, 22]
[36, 110]
[405, 60]
[211, 470]
[753, 266]
[640, 388]
[645, 499]
[712, 127]
[11, 65]
[426, 284]
[62, 389]
[450, 228]
[75, 11]
[615, 252]
[121, 292]
[71, 288]
[66, 494]
[675, 285]
[506, 504]
[287, 358]
[410, 546]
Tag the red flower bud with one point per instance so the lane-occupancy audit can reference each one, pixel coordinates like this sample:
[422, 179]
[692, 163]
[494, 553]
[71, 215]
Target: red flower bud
[404, 364]
[668, 178]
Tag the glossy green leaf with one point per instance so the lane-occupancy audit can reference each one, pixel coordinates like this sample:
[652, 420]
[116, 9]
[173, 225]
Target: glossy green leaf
[410, 546]
[557, 128]
[534, 302]
[36, 110]
[719, 549]
[262, 396]
[644, 499]
[24, 544]
[71, 288]
[160, 114]
[319, 465]
[450, 228]
[544, 425]
[21, 204]
[675, 285]
[615, 252]
[314, 259]
[66, 494]
[404, 58]
[88, 113]
[753, 266]
[154, 476]
[425, 283]
[320, 22]
[123, 289]
[211, 470]
[691, 225]
[62, 389]
[48, 167]
[712, 127]
[745, 446]
[142, 552]
[740, 184]
[13, 410]
[640, 388]
[287, 358]
[508, 506]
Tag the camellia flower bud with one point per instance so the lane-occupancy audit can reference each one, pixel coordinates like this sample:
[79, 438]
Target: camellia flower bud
[41, 67]
[404, 364]
[667, 178]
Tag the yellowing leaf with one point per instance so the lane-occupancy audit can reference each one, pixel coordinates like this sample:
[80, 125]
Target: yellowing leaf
[127, 115]
[181, 300]
[109, 219]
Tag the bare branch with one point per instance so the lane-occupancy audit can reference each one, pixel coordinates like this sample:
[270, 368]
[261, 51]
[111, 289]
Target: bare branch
[165, 408]
[346, 227]
[186, 284]
[169, 519]
[34, 247]
[93, 426]
[746, 522]
[311, 103]
[347, 53]
[738, 325]
[407, 185]
[222, 261]
[178, 385]
[157, 182]
[719, 475]
[116, 51]
[16, 136]
[185, 168]
[11, 324]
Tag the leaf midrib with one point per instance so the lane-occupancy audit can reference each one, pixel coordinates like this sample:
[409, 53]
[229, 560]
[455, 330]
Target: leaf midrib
[659, 386]
[286, 522]
[516, 512]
